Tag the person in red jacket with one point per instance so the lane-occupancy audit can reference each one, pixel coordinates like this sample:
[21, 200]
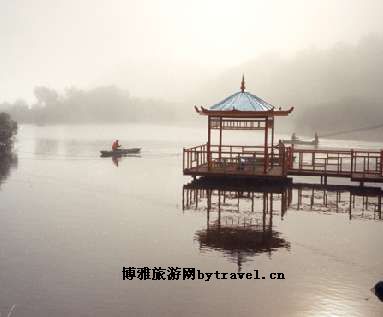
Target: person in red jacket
[115, 145]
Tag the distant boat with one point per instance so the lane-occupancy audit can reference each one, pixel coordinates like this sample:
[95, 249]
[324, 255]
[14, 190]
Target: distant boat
[295, 140]
[120, 152]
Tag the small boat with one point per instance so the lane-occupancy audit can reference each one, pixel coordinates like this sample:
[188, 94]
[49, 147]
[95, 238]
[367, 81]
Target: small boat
[295, 140]
[120, 152]
[301, 142]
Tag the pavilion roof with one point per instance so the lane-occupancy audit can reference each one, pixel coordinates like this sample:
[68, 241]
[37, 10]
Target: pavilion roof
[243, 104]
[242, 101]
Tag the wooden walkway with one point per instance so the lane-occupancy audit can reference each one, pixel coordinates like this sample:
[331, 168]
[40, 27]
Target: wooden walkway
[368, 178]
[234, 171]
[281, 162]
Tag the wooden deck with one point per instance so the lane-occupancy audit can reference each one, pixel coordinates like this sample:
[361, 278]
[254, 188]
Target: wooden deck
[281, 162]
[368, 178]
[303, 172]
[235, 171]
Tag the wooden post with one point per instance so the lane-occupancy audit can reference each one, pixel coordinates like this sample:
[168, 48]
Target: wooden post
[313, 160]
[183, 199]
[271, 213]
[183, 159]
[208, 143]
[283, 202]
[219, 209]
[282, 157]
[220, 138]
[290, 149]
[280, 152]
[272, 143]
[197, 159]
[381, 163]
[196, 201]
[265, 159]
[264, 211]
[364, 166]
[300, 160]
[208, 206]
[299, 198]
[252, 201]
[352, 161]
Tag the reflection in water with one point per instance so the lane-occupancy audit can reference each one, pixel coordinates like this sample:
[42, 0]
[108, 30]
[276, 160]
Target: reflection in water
[46, 146]
[357, 202]
[239, 220]
[240, 216]
[7, 162]
[115, 160]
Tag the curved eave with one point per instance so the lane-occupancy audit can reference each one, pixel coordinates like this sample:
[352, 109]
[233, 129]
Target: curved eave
[243, 114]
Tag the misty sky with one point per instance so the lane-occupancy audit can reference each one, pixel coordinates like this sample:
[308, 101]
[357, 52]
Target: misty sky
[161, 49]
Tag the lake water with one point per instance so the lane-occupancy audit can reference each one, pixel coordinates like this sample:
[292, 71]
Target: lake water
[70, 221]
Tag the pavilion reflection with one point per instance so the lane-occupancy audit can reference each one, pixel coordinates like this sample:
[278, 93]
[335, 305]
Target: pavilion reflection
[239, 216]
[239, 219]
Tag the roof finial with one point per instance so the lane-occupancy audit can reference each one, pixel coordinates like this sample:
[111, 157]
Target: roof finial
[243, 83]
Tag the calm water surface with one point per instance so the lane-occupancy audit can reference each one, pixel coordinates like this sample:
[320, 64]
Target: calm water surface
[71, 220]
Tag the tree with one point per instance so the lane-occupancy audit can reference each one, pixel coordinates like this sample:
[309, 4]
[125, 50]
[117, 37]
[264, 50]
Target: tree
[46, 96]
[8, 129]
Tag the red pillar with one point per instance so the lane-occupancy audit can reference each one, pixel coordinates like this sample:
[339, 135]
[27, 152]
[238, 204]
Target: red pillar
[272, 143]
[381, 163]
[265, 160]
[220, 137]
[208, 143]
[352, 161]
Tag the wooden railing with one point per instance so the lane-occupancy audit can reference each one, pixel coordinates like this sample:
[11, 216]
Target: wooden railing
[367, 162]
[237, 156]
[341, 162]
[195, 156]
[290, 159]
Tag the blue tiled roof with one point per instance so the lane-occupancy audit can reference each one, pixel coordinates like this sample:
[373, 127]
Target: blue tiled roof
[242, 101]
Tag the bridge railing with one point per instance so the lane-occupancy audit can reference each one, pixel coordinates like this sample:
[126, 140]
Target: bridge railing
[334, 162]
[367, 162]
[341, 162]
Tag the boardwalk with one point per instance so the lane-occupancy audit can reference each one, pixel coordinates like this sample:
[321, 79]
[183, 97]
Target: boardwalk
[249, 162]
[234, 171]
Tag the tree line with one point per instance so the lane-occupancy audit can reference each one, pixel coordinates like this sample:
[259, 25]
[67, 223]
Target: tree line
[105, 104]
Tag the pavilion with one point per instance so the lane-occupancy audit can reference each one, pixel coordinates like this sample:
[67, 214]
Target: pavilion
[240, 111]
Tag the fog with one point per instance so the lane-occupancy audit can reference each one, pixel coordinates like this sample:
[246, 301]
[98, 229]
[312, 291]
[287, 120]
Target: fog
[303, 53]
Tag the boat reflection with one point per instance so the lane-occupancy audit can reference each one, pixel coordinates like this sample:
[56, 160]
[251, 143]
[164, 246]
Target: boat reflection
[117, 159]
[239, 216]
